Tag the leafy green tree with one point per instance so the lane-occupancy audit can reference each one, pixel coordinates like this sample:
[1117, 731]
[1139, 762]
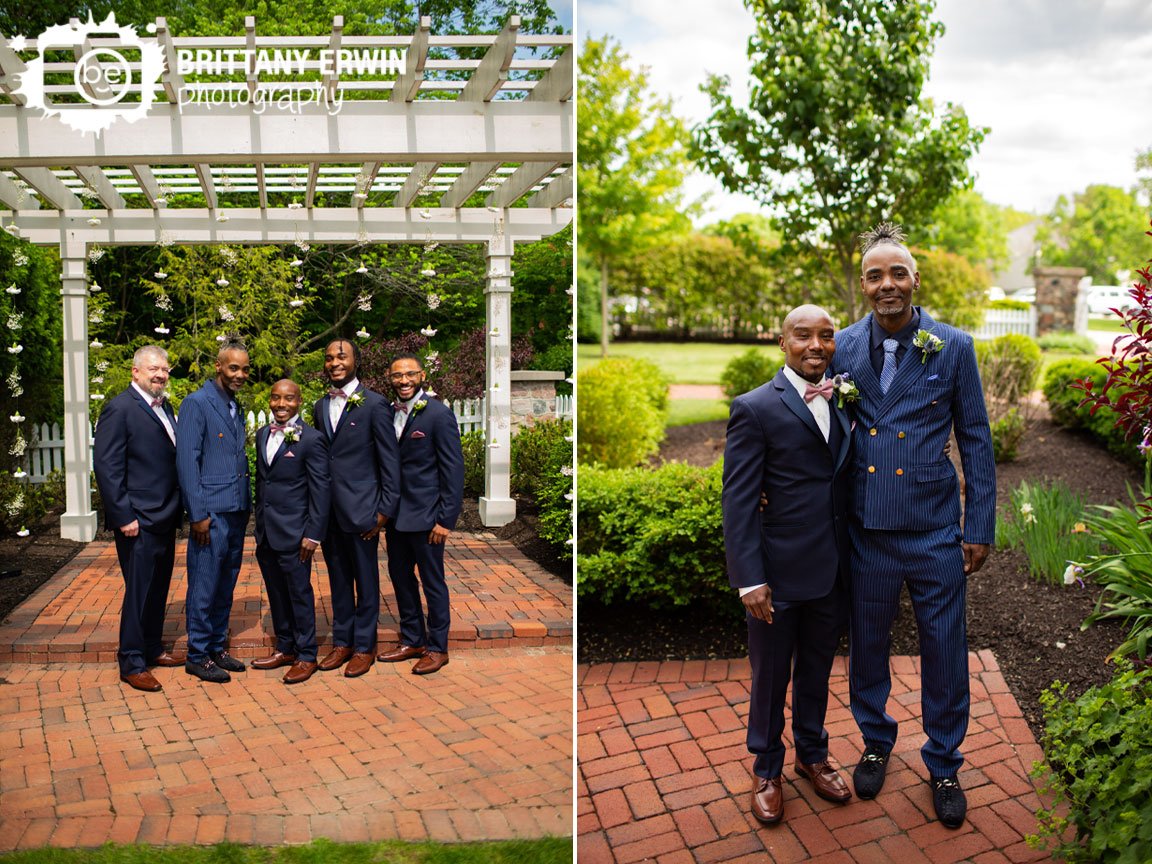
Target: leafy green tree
[1099, 230]
[951, 288]
[632, 158]
[542, 290]
[837, 136]
[968, 225]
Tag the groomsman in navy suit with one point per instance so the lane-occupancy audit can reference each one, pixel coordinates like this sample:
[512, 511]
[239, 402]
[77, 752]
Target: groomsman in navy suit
[431, 498]
[785, 508]
[135, 462]
[213, 468]
[291, 520]
[357, 425]
[918, 383]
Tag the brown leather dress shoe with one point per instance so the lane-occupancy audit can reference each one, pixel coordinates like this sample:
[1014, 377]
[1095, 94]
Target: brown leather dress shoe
[301, 671]
[335, 658]
[432, 661]
[400, 652]
[768, 800]
[359, 664]
[167, 659]
[826, 780]
[142, 681]
[274, 661]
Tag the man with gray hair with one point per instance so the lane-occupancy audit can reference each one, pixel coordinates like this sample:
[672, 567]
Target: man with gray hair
[135, 463]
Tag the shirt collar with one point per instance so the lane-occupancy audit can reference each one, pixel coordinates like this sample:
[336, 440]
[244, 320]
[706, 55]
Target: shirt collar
[796, 380]
[295, 421]
[903, 335]
[415, 398]
[350, 386]
[144, 394]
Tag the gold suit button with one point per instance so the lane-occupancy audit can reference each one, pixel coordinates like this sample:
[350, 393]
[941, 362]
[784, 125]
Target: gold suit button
[871, 469]
[899, 434]
[899, 472]
[872, 432]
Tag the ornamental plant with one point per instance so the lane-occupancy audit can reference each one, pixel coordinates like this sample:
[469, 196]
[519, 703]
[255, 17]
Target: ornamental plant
[1049, 525]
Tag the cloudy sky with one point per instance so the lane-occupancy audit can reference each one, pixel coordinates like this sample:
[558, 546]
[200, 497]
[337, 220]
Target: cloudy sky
[1063, 84]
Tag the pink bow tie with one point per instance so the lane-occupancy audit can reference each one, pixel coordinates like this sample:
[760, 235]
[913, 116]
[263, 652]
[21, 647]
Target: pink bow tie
[277, 427]
[400, 406]
[156, 403]
[825, 388]
[337, 394]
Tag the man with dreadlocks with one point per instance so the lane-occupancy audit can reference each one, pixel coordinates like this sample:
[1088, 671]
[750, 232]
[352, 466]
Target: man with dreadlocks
[917, 381]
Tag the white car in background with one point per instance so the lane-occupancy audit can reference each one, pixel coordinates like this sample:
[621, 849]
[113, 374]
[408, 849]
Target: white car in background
[1103, 298]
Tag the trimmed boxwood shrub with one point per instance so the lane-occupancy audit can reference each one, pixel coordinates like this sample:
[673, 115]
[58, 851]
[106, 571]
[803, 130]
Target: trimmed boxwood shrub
[621, 411]
[652, 536]
[1064, 406]
[745, 372]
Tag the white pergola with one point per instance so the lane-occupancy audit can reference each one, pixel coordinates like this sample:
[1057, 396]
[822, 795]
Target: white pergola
[450, 149]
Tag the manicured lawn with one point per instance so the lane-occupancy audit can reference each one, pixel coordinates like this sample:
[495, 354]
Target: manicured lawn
[681, 362]
[552, 850]
[684, 411]
[1111, 324]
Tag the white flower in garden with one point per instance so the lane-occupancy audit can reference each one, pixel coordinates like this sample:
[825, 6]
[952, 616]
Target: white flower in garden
[433, 301]
[364, 302]
[15, 349]
[19, 473]
[162, 330]
[1026, 508]
[361, 269]
[160, 274]
[1073, 573]
[425, 214]
[221, 217]
[96, 343]
[15, 320]
[432, 356]
[362, 333]
[566, 470]
[429, 331]
[93, 220]
[102, 366]
[17, 449]
[222, 282]
[12, 289]
[296, 303]
[16, 506]
[225, 313]
[303, 245]
[19, 258]
[95, 288]
[13, 229]
[428, 247]
[295, 205]
[95, 317]
[296, 262]
[428, 272]
[96, 397]
[17, 417]
[164, 303]
[1061, 645]
[228, 254]
[23, 532]
[495, 331]
[221, 338]
[99, 379]
[95, 254]
[568, 496]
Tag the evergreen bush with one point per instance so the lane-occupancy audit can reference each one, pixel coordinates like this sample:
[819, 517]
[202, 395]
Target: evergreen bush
[621, 411]
[745, 372]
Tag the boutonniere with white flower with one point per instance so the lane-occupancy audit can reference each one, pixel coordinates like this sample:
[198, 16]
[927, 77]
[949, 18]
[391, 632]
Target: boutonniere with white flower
[291, 435]
[928, 343]
[355, 399]
[420, 405]
[845, 389]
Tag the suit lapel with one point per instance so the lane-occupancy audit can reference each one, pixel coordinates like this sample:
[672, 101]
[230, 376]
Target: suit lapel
[859, 366]
[795, 403]
[147, 408]
[910, 371]
[840, 418]
[346, 410]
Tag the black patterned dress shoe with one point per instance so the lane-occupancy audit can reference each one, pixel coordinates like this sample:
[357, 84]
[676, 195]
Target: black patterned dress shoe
[207, 670]
[226, 661]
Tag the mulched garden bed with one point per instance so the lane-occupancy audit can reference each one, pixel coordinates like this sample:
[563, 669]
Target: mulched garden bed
[1032, 628]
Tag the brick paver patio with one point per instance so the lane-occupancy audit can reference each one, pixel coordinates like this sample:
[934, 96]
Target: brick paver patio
[665, 775]
[481, 750]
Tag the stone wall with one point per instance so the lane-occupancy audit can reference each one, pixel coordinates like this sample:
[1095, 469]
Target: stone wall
[533, 396]
[1057, 291]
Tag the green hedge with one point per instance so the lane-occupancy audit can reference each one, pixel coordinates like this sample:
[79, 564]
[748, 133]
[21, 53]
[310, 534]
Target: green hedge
[621, 410]
[652, 536]
[1064, 406]
[745, 372]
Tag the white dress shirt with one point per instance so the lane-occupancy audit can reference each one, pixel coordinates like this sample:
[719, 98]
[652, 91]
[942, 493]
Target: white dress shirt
[275, 439]
[336, 404]
[158, 410]
[401, 418]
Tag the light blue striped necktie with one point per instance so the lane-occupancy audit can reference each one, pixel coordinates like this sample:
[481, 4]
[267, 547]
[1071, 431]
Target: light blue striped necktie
[888, 370]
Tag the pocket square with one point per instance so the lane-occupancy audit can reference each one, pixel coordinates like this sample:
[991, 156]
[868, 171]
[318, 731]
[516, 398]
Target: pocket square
[288, 454]
[418, 434]
[931, 377]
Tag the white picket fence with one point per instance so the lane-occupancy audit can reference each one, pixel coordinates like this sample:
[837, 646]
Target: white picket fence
[998, 322]
[45, 452]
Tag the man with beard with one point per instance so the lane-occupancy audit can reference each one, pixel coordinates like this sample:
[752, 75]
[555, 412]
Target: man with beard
[918, 381]
[135, 463]
[213, 466]
[357, 425]
[431, 498]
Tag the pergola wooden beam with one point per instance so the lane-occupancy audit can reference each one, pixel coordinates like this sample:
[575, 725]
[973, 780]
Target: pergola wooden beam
[520, 183]
[332, 79]
[414, 182]
[10, 66]
[49, 187]
[98, 182]
[555, 193]
[148, 185]
[407, 85]
[204, 173]
[492, 72]
[557, 83]
[172, 81]
[15, 198]
[467, 183]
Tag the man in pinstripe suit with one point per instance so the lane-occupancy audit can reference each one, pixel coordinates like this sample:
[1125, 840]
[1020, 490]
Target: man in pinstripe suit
[213, 467]
[918, 382]
[789, 441]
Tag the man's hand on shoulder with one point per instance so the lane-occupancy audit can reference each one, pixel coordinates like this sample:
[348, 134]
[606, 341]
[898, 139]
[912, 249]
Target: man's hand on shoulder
[758, 603]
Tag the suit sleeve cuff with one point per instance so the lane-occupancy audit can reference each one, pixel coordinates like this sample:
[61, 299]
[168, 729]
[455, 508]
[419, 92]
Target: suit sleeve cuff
[751, 588]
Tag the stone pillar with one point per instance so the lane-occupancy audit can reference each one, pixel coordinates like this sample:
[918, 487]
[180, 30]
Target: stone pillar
[1057, 289]
[533, 396]
[497, 506]
[78, 522]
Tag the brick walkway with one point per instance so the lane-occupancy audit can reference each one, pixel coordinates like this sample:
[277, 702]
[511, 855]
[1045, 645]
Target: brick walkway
[481, 750]
[665, 774]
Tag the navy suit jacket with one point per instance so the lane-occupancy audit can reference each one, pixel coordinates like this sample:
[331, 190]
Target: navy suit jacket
[432, 469]
[292, 493]
[135, 463]
[904, 482]
[798, 543]
[362, 460]
[211, 456]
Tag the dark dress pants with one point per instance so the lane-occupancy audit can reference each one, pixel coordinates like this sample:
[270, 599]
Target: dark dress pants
[288, 581]
[409, 551]
[354, 577]
[212, 572]
[800, 645]
[146, 564]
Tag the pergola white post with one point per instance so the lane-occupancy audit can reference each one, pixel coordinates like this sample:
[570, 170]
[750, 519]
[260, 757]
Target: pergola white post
[497, 506]
[78, 521]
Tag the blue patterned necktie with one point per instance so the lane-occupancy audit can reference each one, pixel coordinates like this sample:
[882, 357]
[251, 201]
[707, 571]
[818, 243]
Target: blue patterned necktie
[888, 370]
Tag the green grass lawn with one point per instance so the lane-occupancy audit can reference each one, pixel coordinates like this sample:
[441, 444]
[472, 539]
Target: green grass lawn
[551, 850]
[1111, 324]
[681, 362]
[682, 412]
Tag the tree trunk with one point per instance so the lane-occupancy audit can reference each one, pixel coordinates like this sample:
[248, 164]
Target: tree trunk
[603, 306]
